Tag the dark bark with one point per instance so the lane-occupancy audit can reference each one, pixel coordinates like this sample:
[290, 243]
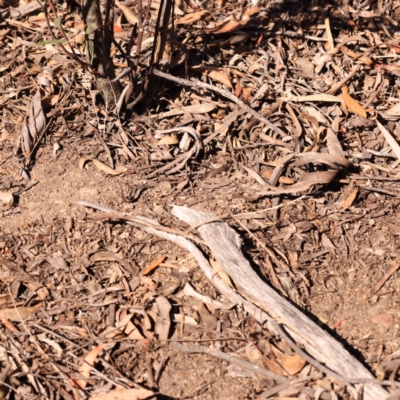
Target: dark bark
[98, 50]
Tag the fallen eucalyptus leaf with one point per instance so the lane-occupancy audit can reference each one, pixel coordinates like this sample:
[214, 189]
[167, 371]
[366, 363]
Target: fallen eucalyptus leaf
[313, 97]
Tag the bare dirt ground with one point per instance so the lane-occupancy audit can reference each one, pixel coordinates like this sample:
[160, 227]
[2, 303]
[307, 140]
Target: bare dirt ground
[89, 304]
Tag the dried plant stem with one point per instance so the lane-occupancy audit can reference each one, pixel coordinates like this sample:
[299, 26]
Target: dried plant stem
[198, 84]
[230, 358]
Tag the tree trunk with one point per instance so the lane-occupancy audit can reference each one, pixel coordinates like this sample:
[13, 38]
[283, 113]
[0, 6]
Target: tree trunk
[98, 52]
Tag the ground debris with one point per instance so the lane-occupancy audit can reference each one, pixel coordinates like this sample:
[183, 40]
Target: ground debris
[279, 119]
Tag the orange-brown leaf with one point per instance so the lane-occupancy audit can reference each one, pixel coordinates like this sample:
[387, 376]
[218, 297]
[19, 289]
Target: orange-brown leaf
[130, 15]
[350, 199]
[293, 364]
[118, 28]
[87, 364]
[153, 265]
[229, 26]
[192, 18]
[353, 105]
[215, 73]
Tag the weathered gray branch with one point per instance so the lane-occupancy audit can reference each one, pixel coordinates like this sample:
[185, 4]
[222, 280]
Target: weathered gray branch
[224, 243]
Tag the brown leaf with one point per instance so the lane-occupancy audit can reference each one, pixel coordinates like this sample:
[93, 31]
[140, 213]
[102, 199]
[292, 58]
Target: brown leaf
[292, 364]
[218, 270]
[57, 263]
[148, 282]
[133, 332]
[216, 74]
[229, 26]
[255, 67]
[353, 105]
[254, 355]
[251, 11]
[350, 199]
[208, 321]
[124, 394]
[392, 68]
[305, 66]
[312, 97]
[330, 45]
[5, 135]
[16, 313]
[130, 16]
[87, 363]
[153, 265]
[333, 143]
[192, 18]
[169, 139]
[202, 108]
[391, 114]
[50, 101]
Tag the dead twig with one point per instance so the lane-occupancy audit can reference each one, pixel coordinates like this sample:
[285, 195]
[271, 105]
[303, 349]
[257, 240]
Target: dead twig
[198, 84]
[338, 85]
[180, 160]
[230, 358]
[392, 270]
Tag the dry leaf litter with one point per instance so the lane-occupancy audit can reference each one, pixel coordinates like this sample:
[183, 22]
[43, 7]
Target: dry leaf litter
[281, 119]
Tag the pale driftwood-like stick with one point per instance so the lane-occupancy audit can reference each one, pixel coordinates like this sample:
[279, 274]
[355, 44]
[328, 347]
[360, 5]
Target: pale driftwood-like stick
[224, 243]
[153, 227]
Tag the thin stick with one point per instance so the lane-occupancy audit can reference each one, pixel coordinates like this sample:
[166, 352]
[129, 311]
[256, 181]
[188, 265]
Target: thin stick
[168, 166]
[104, 144]
[338, 85]
[392, 270]
[55, 335]
[223, 92]
[243, 215]
[94, 370]
[110, 213]
[230, 358]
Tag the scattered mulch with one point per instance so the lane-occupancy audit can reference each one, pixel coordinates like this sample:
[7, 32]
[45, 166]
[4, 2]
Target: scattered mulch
[280, 119]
